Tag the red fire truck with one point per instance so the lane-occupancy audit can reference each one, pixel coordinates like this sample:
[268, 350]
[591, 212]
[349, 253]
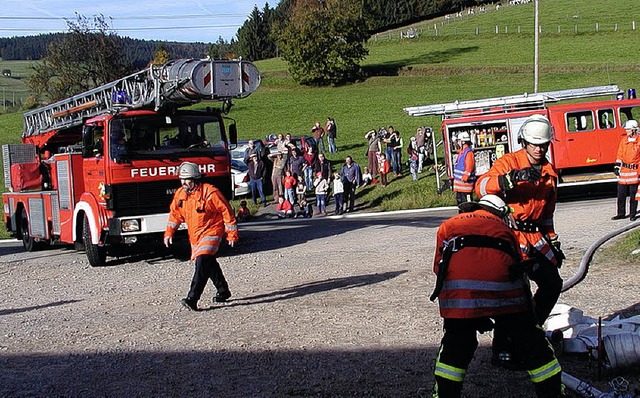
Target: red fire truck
[98, 170]
[586, 131]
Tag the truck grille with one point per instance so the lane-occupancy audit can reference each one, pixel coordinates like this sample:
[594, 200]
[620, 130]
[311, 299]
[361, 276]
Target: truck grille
[152, 197]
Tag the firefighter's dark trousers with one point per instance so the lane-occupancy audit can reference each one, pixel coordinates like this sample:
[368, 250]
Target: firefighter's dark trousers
[549, 282]
[460, 342]
[206, 268]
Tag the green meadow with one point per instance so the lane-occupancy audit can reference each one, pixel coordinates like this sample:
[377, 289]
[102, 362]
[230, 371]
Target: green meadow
[581, 44]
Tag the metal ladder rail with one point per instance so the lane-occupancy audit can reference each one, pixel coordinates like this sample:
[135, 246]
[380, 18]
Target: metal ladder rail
[71, 111]
[523, 100]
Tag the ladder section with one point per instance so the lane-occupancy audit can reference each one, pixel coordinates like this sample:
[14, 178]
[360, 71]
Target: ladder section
[175, 84]
[504, 104]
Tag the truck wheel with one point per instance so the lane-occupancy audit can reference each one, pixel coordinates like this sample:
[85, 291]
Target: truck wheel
[97, 255]
[28, 241]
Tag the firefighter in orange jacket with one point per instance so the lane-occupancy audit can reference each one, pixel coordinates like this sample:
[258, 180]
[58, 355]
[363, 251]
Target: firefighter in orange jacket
[464, 171]
[209, 217]
[477, 261]
[626, 169]
[528, 183]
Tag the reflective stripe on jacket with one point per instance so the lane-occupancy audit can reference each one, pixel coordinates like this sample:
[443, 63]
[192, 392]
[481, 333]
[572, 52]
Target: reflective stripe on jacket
[477, 279]
[208, 216]
[464, 171]
[535, 203]
[628, 154]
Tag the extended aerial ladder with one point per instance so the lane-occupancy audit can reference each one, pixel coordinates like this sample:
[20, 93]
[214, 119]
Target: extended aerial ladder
[175, 84]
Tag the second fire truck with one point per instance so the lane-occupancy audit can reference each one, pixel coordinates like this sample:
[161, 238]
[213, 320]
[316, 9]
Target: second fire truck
[586, 131]
[98, 170]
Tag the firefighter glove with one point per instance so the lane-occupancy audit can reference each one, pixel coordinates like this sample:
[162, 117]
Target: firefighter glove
[555, 248]
[616, 169]
[505, 182]
[527, 174]
[521, 268]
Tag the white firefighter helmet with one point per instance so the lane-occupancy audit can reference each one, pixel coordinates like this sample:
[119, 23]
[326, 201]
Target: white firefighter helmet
[536, 130]
[492, 203]
[631, 125]
[189, 170]
[464, 136]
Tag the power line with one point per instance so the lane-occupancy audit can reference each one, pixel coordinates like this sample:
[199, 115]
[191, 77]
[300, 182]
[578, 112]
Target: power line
[130, 18]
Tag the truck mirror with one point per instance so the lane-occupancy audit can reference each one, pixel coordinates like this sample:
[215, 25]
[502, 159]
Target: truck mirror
[233, 134]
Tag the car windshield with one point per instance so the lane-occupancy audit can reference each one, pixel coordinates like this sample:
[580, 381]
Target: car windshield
[239, 165]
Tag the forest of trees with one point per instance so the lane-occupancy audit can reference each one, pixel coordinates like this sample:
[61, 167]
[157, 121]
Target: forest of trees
[137, 52]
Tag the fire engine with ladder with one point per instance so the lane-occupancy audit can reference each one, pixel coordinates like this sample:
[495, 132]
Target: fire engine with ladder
[98, 170]
[586, 131]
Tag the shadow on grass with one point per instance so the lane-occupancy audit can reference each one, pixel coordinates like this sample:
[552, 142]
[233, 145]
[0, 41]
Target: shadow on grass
[391, 68]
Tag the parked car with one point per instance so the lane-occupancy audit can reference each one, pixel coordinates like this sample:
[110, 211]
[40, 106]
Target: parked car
[239, 178]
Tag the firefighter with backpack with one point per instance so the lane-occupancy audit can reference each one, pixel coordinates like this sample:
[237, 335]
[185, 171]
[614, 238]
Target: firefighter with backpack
[477, 264]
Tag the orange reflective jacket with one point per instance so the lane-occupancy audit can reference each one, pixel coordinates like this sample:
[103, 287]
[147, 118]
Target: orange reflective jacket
[477, 282]
[629, 157]
[208, 216]
[531, 202]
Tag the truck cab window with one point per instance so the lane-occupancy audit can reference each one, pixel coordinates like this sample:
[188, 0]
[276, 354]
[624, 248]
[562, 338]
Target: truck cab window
[92, 141]
[628, 113]
[117, 140]
[580, 121]
[606, 119]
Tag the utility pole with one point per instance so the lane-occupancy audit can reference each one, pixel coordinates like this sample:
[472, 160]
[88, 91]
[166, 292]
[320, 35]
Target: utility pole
[535, 51]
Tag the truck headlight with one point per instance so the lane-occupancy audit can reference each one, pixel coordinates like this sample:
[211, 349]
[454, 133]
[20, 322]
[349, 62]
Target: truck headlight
[132, 225]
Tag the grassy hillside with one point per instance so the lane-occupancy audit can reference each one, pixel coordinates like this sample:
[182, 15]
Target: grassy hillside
[13, 89]
[455, 64]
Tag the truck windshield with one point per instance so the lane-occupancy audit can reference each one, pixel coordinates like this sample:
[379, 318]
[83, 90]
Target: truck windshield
[157, 136]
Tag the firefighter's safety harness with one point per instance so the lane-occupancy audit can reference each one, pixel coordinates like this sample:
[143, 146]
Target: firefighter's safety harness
[457, 243]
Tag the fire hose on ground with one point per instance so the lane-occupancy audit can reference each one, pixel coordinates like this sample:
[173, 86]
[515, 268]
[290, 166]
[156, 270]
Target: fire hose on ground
[625, 348]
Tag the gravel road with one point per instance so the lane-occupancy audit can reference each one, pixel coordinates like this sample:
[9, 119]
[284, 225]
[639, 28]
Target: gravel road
[321, 307]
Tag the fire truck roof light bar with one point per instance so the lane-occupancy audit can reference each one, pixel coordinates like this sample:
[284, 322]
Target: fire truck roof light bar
[533, 101]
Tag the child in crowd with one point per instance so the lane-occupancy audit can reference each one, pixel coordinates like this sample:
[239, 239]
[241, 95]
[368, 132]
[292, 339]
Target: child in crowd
[289, 183]
[322, 186]
[243, 212]
[338, 190]
[306, 210]
[284, 209]
[301, 189]
[383, 168]
[367, 178]
[413, 152]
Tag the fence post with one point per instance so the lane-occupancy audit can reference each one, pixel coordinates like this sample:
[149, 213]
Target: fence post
[575, 29]
[518, 29]
[558, 28]
[596, 27]
[477, 30]
[497, 29]
[615, 27]
[633, 25]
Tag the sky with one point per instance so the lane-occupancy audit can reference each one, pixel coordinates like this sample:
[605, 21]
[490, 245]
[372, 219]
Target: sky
[166, 20]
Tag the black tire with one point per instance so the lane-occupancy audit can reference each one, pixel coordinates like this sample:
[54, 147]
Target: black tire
[28, 241]
[97, 255]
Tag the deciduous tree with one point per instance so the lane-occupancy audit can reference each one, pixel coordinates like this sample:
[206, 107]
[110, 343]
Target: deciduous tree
[324, 41]
[88, 56]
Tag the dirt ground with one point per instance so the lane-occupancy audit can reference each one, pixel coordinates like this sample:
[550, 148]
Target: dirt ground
[321, 308]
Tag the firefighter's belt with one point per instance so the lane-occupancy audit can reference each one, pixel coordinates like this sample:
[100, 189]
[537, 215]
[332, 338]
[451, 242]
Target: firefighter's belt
[458, 243]
[527, 226]
[630, 166]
